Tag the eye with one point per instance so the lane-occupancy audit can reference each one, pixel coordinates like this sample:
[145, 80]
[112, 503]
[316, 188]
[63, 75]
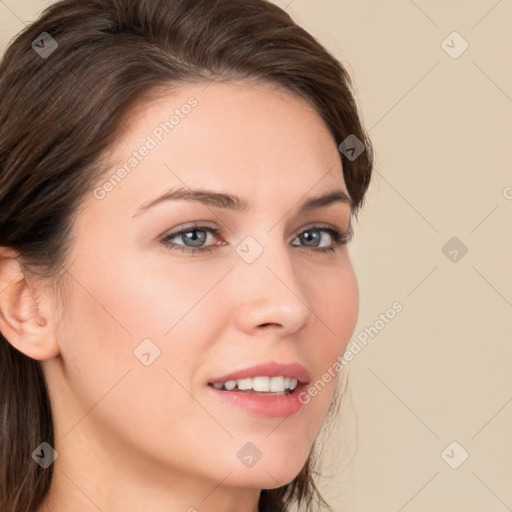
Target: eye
[193, 235]
[193, 239]
[312, 237]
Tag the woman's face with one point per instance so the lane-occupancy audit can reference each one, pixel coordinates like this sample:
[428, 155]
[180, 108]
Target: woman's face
[148, 325]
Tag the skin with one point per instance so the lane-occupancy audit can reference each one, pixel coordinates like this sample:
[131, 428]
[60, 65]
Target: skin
[132, 437]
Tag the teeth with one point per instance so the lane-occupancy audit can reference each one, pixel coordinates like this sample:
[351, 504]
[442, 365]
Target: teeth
[230, 384]
[244, 384]
[277, 384]
[259, 384]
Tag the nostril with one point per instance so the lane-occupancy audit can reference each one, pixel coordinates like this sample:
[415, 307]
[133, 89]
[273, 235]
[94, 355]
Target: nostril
[268, 325]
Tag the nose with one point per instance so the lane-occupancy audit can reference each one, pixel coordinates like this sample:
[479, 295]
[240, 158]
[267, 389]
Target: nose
[269, 294]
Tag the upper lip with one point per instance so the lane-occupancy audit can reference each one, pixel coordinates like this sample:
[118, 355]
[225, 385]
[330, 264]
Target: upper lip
[270, 369]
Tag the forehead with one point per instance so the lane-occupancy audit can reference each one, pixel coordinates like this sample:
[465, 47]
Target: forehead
[250, 138]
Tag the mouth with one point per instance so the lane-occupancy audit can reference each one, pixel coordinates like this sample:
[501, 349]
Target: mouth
[268, 390]
[265, 378]
[262, 404]
[259, 386]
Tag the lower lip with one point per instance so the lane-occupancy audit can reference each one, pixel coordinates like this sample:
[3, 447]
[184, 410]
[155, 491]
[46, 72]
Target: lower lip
[271, 406]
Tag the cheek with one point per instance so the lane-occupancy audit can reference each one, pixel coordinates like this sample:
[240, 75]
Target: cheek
[334, 298]
[335, 301]
[127, 402]
[123, 315]
[152, 299]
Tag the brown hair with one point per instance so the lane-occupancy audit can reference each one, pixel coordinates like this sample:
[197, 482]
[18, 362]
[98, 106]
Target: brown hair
[61, 110]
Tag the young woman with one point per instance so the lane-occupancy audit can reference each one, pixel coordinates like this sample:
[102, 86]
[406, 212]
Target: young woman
[177, 183]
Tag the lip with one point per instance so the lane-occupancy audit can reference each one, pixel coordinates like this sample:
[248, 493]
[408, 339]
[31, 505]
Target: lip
[270, 369]
[272, 406]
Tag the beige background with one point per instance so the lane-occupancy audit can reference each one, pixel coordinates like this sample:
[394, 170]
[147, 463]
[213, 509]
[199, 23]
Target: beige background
[440, 370]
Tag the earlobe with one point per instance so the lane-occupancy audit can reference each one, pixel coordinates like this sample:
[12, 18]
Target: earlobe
[23, 322]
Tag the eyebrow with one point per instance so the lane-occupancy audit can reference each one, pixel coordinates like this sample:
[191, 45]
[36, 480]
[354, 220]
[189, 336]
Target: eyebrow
[235, 203]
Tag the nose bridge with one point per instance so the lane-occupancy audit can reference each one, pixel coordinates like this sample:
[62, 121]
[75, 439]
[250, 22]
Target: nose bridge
[268, 288]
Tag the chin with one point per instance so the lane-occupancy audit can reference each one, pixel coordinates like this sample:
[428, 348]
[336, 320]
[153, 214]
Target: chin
[263, 480]
[270, 474]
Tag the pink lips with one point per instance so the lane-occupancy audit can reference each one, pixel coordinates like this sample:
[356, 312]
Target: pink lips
[293, 371]
[270, 406]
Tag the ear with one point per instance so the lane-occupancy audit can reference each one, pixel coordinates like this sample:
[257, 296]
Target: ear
[23, 322]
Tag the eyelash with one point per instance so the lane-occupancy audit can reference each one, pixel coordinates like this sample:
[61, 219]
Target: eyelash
[339, 238]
